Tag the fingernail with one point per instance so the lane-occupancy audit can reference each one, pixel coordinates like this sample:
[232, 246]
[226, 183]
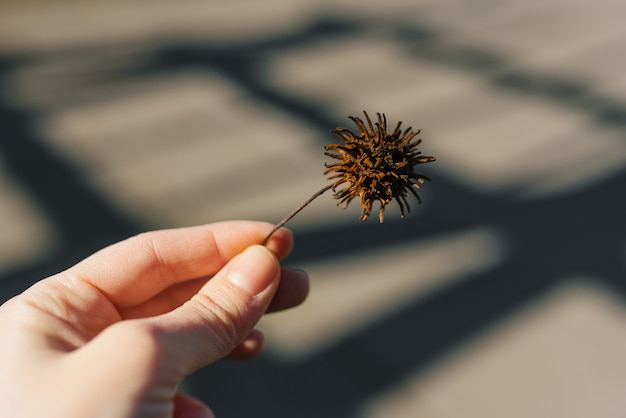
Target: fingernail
[253, 270]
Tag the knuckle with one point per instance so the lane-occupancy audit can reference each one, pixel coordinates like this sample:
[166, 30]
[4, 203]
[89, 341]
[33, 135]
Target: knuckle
[225, 319]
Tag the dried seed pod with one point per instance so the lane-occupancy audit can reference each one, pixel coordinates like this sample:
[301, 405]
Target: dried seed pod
[373, 165]
[376, 165]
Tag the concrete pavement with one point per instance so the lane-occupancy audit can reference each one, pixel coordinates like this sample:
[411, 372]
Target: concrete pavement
[500, 296]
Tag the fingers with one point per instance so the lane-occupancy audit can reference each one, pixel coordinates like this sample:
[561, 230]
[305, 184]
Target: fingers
[205, 329]
[186, 406]
[292, 291]
[249, 348]
[137, 269]
[223, 313]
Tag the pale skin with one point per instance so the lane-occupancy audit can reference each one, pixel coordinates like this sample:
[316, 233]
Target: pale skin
[114, 335]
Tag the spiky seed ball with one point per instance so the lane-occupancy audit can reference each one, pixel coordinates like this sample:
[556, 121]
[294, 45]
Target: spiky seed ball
[376, 165]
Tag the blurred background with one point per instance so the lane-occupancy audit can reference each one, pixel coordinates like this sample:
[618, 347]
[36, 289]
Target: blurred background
[502, 295]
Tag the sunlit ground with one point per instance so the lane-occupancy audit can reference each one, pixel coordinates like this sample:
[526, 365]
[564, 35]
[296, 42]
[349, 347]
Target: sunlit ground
[501, 295]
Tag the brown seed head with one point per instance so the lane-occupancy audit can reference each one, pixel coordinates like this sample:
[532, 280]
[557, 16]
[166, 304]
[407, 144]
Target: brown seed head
[376, 165]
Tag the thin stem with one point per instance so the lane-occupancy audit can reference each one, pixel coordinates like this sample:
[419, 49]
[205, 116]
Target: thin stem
[295, 212]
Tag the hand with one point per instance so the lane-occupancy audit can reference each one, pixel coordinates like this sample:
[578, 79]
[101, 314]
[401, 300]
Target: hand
[115, 334]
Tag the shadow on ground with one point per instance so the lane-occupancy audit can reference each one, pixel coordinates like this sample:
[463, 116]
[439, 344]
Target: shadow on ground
[550, 239]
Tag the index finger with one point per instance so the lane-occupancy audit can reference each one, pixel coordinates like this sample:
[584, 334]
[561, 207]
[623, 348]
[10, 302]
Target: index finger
[140, 267]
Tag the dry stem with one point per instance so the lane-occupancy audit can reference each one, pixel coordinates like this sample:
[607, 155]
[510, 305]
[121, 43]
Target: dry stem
[295, 212]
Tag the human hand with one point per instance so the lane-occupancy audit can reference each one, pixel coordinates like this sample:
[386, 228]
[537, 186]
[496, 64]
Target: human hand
[115, 334]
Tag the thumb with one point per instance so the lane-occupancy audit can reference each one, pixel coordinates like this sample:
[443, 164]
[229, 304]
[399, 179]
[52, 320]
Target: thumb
[221, 314]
